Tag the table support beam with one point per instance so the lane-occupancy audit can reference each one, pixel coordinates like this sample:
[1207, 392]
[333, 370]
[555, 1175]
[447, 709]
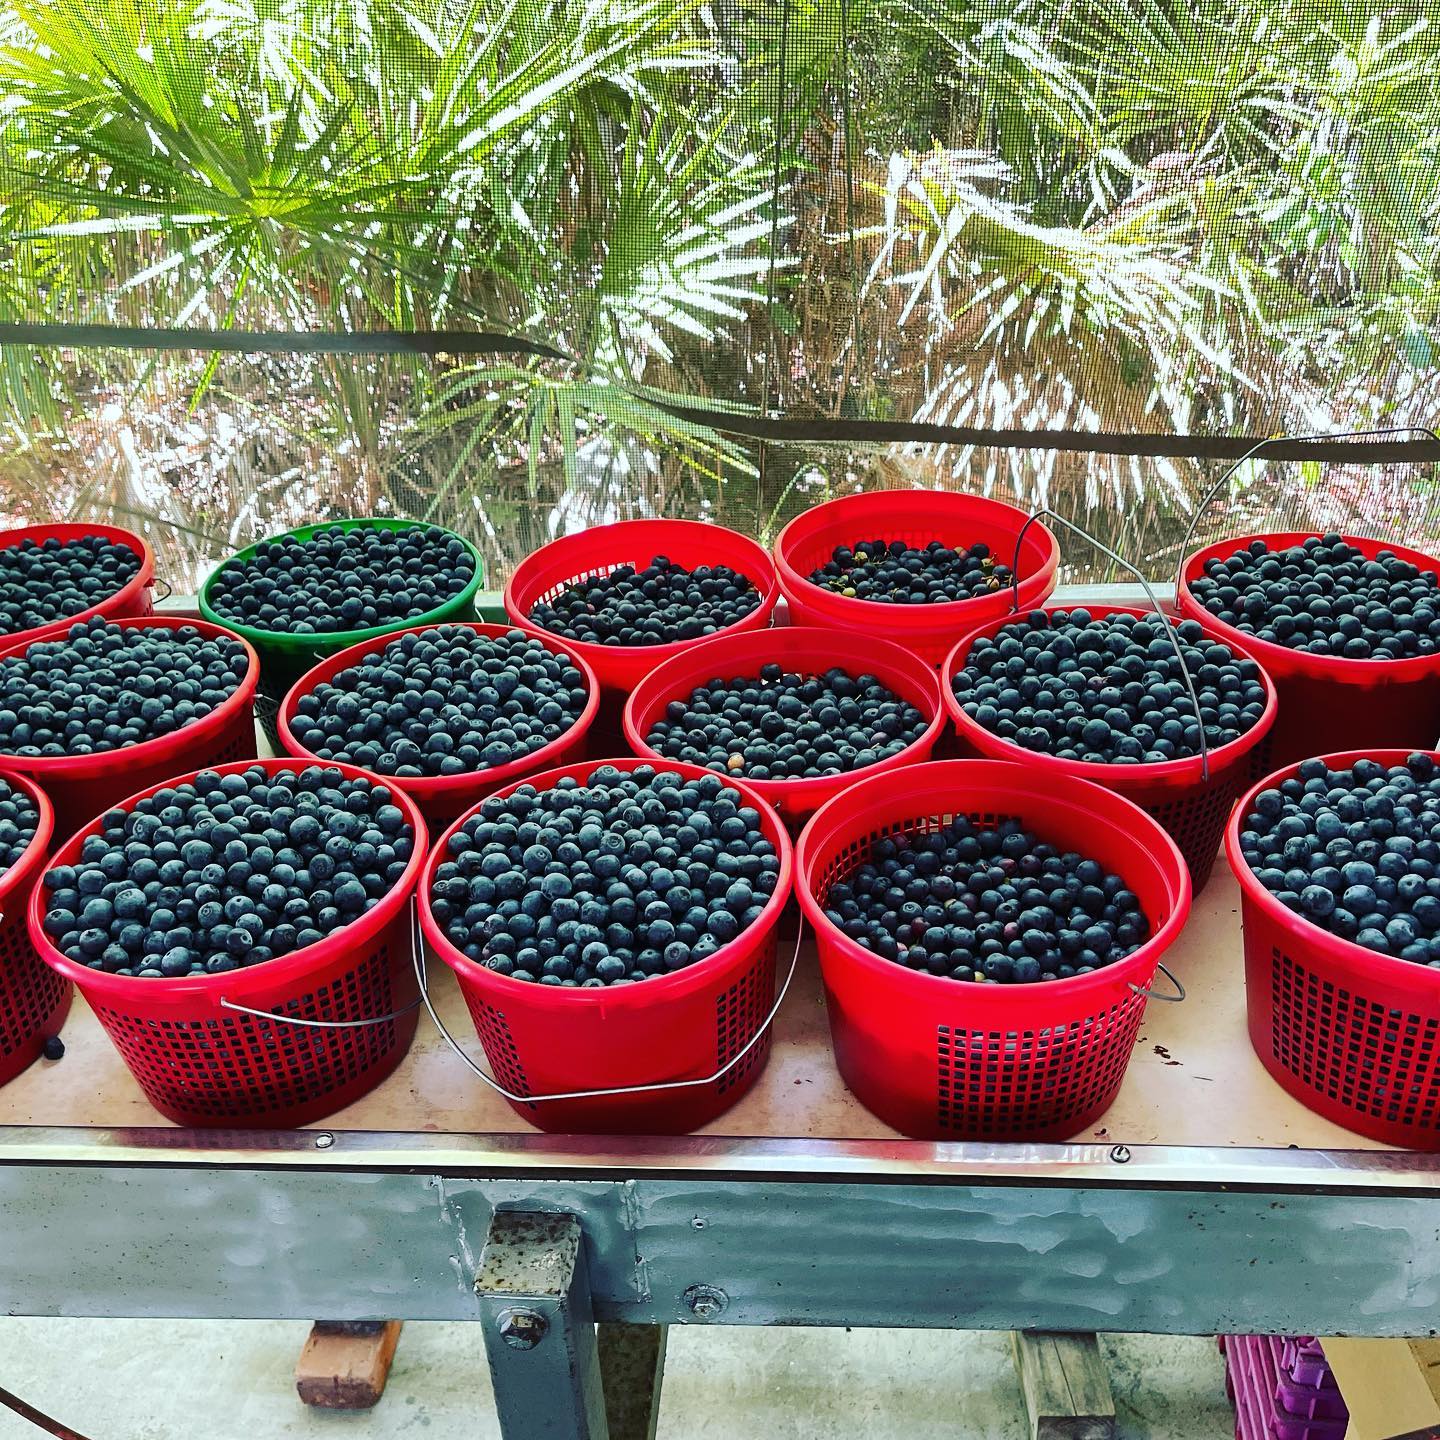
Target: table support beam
[539, 1328]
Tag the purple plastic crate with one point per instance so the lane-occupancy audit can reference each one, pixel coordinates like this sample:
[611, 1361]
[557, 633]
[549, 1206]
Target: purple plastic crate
[1302, 1359]
[1308, 1402]
[1269, 1404]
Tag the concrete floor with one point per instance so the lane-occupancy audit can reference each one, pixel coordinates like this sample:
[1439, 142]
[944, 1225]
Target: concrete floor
[154, 1380]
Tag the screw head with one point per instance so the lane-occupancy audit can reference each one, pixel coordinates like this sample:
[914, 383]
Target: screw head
[324, 1140]
[705, 1302]
[1120, 1154]
[522, 1329]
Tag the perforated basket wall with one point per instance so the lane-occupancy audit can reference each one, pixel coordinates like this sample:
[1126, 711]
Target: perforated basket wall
[940, 1058]
[1051, 1076]
[201, 1064]
[33, 998]
[707, 1027]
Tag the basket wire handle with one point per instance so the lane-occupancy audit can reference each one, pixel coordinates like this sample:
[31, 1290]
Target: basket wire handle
[1170, 975]
[495, 1085]
[169, 589]
[1258, 449]
[1165, 624]
[321, 1024]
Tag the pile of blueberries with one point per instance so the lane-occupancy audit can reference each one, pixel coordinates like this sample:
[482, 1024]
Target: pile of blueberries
[1108, 689]
[227, 871]
[1356, 852]
[446, 701]
[19, 819]
[655, 605]
[786, 725]
[337, 579]
[106, 687]
[41, 583]
[1326, 598]
[901, 574]
[628, 875]
[994, 906]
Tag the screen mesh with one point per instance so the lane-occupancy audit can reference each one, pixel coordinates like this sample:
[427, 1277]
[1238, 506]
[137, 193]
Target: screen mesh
[713, 259]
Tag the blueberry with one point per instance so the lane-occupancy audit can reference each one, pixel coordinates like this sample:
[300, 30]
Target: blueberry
[655, 604]
[1109, 689]
[1380, 894]
[1324, 597]
[995, 925]
[787, 725]
[898, 573]
[53, 579]
[186, 915]
[642, 894]
[96, 688]
[19, 819]
[306, 586]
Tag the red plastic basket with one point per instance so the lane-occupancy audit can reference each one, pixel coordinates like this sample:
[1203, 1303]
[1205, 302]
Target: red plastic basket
[916, 517]
[202, 1062]
[442, 797]
[135, 597]
[804, 648]
[83, 786]
[1352, 1034]
[940, 1059]
[543, 574]
[1176, 792]
[544, 1040]
[33, 998]
[1329, 703]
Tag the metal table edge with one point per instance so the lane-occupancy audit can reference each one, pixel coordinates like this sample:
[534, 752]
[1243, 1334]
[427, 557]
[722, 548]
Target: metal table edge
[725, 1158]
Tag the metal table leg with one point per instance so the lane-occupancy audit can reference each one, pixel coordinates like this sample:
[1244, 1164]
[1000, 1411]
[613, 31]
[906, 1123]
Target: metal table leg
[632, 1359]
[539, 1329]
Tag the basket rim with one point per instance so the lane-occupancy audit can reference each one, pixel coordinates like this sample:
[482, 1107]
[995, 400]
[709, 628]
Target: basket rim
[1185, 767]
[269, 975]
[425, 787]
[657, 987]
[1387, 969]
[937, 778]
[32, 858]
[142, 579]
[673, 679]
[69, 767]
[295, 640]
[522, 581]
[1285, 660]
[944, 613]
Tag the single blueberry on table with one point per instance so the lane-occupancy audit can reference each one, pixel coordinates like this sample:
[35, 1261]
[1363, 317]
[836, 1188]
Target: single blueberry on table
[654, 604]
[342, 579]
[186, 916]
[48, 581]
[598, 915]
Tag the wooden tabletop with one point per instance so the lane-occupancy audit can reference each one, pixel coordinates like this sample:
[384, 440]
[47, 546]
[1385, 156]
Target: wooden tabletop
[1193, 1079]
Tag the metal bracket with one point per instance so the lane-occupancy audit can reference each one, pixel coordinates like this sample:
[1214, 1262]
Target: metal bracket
[539, 1328]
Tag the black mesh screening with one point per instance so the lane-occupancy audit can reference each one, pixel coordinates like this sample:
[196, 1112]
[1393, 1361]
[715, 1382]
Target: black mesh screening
[713, 259]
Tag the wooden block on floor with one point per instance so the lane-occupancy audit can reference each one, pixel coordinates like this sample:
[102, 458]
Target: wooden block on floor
[1391, 1387]
[1067, 1390]
[345, 1363]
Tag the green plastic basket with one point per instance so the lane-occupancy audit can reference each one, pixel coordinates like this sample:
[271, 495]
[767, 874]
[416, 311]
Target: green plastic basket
[285, 657]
